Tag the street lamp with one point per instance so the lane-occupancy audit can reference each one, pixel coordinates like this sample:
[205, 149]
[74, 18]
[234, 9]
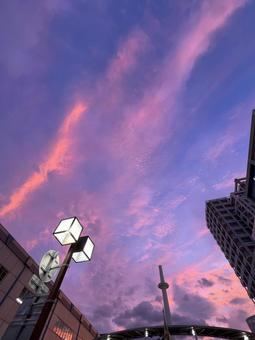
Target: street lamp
[68, 231]
[81, 248]
[193, 332]
[146, 333]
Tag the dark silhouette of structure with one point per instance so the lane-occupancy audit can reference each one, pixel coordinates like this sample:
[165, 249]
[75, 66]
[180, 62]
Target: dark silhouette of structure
[185, 330]
[231, 221]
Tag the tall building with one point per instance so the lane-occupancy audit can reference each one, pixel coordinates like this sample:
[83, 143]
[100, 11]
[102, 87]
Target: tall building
[231, 220]
[16, 270]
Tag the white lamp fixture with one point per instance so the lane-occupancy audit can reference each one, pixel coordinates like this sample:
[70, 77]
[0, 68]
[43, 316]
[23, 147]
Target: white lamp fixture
[83, 250]
[68, 231]
[193, 331]
[19, 300]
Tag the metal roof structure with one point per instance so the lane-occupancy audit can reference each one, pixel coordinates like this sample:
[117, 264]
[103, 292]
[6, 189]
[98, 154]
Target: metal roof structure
[185, 330]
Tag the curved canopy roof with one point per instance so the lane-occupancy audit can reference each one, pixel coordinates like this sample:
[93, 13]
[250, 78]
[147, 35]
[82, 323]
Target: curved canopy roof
[209, 331]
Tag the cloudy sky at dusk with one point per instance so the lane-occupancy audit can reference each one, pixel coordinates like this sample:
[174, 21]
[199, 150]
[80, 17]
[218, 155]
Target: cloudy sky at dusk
[129, 115]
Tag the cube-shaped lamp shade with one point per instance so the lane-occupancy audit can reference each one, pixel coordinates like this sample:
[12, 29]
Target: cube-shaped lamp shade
[68, 231]
[84, 249]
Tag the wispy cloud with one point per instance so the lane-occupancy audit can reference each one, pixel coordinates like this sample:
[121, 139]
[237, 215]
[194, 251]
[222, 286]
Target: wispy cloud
[228, 181]
[145, 124]
[55, 161]
[127, 55]
[222, 145]
[131, 215]
[146, 121]
[142, 130]
[231, 134]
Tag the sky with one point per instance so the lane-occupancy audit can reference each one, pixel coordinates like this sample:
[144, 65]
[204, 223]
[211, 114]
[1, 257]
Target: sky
[128, 115]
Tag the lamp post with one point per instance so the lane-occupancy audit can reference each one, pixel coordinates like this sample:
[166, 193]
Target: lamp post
[193, 332]
[81, 248]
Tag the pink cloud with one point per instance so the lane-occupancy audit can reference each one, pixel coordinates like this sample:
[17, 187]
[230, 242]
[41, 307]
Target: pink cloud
[30, 244]
[141, 200]
[236, 129]
[124, 61]
[177, 201]
[144, 125]
[213, 16]
[220, 293]
[127, 55]
[141, 131]
[142, 128]
[55, 161]
[43, 236]
[149, 219]
[221, 146]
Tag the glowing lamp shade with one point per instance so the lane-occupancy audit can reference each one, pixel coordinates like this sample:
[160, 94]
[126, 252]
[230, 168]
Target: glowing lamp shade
[68, 231]
[84, 249]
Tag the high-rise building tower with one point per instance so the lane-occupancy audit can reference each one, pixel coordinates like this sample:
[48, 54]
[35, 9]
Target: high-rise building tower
[231, 220]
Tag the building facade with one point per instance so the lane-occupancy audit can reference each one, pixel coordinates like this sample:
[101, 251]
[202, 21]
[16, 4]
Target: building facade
[231, 220]
[16, 270]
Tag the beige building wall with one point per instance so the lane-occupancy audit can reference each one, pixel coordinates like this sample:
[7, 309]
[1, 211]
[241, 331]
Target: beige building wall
[66, 321]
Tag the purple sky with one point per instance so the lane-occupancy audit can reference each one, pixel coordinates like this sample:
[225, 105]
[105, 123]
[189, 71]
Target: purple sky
[129, 115]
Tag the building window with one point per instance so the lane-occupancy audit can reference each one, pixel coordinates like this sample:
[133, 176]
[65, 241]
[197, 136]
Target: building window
[63, 331]
[3, 272]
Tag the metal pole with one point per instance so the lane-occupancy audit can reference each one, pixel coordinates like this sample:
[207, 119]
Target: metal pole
[40, 324]
[49, 318]
[166, 330]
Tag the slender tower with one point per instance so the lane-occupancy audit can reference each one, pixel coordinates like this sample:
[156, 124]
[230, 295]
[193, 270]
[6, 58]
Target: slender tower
[163, 286]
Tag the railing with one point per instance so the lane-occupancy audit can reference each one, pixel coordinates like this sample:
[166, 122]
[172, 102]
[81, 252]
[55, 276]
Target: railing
[240, 184]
